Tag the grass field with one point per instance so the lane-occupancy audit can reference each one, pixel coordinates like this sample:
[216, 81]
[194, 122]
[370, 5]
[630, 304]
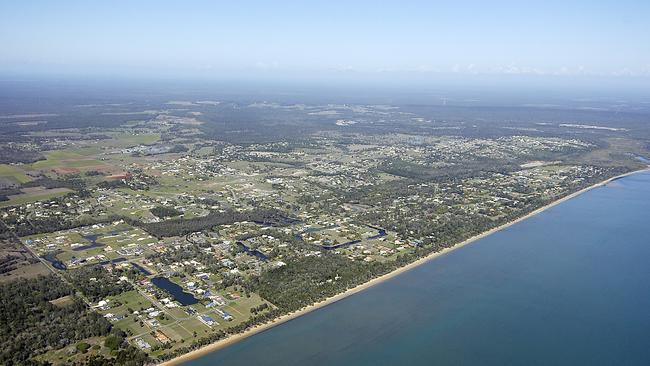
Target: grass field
[13, 173]
[25, 271]
[65, 159]
[62, 301]
[33, 196]
[128, 139]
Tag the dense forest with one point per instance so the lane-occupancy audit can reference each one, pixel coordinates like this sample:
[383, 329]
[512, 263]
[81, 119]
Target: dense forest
[8, 191]
[164, 211]
[71, 181]
[468, 168]
[179, 227]
[52, 224]
[10, 155]
[96, 283]
[42, 314]
[33, 323]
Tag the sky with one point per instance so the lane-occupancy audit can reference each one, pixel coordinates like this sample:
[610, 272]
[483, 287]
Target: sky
[310, 38]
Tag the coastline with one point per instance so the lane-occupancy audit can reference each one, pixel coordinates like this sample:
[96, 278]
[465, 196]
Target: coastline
[287, 317]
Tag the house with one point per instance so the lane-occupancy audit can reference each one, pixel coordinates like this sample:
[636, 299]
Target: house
[162, 337]
[142, 344]
[119, 176]
[225, 315]
[207, 320]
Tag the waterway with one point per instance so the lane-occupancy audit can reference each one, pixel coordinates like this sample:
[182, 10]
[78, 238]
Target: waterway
[253, 252]
[570, 286]
[92, 238]
[175, 290]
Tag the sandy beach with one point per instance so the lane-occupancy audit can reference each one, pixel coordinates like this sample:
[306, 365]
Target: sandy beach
[260, 328]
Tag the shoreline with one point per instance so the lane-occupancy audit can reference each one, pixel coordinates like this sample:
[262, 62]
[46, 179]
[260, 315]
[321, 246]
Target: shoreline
[330, 300]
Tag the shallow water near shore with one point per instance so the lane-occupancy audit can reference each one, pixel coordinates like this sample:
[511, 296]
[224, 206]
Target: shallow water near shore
[569, 286]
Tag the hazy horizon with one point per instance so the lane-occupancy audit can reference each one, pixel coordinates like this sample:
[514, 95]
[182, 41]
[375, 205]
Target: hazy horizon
[398, 42]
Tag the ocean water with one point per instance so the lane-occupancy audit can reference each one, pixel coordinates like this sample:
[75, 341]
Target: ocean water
[570, 286]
